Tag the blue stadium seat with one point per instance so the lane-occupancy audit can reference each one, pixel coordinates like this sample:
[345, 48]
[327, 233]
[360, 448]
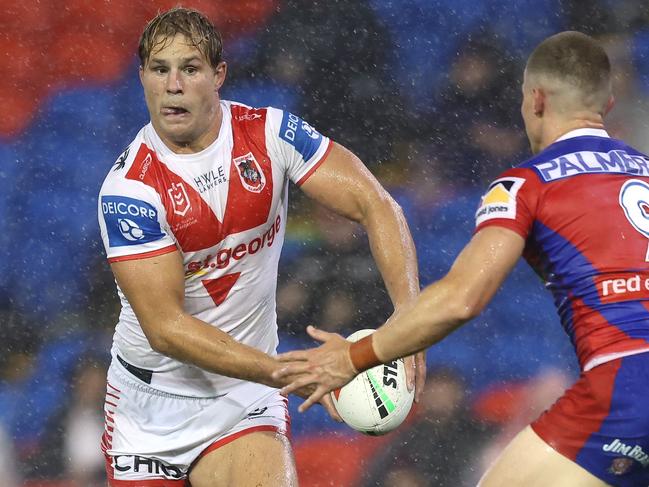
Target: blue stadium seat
[86, 111]
[46, 391]
[49, 250]
[10, 168]
[425, 34]
[520, 31]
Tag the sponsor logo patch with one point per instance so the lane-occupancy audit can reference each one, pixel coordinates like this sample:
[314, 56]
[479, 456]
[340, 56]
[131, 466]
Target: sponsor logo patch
[500, 200]
[211, 179]
[223, 257]
[302, 136]
[629, 452]
[251, 175]
[134, 467]
[129, 221]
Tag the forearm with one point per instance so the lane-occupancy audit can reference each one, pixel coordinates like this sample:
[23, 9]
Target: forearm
[393, 250]
[432, 316]
[193, 341]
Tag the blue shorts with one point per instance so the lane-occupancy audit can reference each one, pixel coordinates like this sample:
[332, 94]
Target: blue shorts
[602, 422]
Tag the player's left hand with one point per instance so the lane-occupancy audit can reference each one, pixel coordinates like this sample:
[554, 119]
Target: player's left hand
[327, 367]
[415, 366]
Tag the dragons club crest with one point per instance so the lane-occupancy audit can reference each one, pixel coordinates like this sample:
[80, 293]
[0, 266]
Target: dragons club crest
[251, 175]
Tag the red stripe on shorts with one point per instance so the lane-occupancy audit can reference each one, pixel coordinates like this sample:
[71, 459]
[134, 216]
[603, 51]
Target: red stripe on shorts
[568, 424]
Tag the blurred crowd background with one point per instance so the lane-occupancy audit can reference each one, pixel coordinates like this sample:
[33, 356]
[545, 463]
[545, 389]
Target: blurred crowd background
[426, 92]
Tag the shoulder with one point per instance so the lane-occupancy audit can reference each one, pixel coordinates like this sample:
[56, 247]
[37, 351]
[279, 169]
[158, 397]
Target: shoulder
[130, 166]
[280, 123]
[584, 155]
[514, 178]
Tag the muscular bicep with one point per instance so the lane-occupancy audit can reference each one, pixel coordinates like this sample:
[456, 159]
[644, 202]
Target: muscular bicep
[482, 266]
[343, 184]
[155, 289]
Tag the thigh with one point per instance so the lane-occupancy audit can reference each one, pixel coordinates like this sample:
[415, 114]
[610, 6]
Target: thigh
[530, 462]
[152, 437]
[259, 458]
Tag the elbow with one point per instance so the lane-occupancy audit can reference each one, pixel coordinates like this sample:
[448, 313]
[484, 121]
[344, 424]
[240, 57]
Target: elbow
[465, 305]
[466, 310]
[386, 200]
[160, 340]
[381, 205]
[160, 344]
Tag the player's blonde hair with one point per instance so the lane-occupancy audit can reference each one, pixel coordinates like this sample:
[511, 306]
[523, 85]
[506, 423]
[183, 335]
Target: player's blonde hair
[192, 24]
[576, 61]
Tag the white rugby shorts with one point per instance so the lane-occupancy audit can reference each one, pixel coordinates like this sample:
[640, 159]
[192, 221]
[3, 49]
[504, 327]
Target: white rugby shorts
[153, 438]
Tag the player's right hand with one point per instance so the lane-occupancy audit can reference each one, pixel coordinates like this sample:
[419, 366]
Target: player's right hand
[306, 391]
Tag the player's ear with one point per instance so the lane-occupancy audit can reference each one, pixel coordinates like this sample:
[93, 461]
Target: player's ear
[609, 105]
[219, 75]
[141, 73]
[539, 98]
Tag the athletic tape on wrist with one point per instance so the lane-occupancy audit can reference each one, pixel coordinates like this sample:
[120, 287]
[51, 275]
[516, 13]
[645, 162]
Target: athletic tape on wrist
[362, 354]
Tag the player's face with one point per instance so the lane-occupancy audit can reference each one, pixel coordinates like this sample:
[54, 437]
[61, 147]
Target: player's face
[531, 121]
[181, 92]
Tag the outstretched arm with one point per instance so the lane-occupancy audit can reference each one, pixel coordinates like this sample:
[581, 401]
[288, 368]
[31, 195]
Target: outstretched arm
[343, 184]
[441, 308]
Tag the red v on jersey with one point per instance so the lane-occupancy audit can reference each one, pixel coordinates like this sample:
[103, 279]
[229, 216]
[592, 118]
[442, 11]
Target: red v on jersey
[250, 192]
[219, 288]
[251, 175]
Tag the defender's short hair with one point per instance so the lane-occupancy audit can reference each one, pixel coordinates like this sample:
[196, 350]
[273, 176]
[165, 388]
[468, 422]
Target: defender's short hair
[574, 58]
[197, 29]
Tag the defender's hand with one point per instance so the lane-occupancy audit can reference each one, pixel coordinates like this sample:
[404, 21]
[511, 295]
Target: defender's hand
[415, 367]
[325, 368]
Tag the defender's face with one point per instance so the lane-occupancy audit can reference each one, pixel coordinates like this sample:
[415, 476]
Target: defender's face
[181, 92]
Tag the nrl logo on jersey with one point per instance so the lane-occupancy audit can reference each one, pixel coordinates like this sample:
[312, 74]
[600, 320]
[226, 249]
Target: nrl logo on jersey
[179, 198]
[251, 175]
[500, 200]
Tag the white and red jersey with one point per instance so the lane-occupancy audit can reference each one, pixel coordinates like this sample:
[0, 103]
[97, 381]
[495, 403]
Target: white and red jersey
[224, 209]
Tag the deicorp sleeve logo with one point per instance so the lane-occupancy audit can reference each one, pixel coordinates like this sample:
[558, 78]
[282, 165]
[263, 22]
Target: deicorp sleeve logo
[500, 200]
[300, 135]
[130, 221]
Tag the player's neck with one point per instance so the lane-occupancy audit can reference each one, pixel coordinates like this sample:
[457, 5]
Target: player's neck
[557, 128]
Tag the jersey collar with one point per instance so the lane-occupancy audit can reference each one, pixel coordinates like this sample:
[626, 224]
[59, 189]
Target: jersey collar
[583, 133]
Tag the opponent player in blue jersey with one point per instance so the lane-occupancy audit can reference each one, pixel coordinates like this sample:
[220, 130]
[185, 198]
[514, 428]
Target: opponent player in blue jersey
[578, 211]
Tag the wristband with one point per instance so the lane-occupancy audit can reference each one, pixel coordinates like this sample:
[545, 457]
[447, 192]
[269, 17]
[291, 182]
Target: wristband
[362, 354]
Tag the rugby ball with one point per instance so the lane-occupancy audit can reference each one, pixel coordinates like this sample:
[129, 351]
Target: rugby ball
[376, 401]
